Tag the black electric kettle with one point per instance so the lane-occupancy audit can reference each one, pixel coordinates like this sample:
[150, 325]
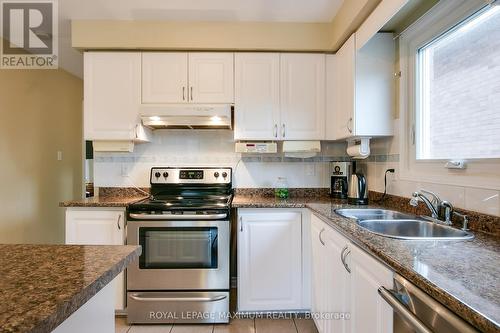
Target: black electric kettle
[358, 191]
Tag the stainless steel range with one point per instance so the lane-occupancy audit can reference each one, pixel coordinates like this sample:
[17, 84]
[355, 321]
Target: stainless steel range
[182, 274]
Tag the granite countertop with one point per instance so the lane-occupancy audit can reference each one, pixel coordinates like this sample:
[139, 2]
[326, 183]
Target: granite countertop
[102, 201]
[42, 285]
[462, 275]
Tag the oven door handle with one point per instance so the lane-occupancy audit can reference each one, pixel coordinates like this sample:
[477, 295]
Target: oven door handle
[161, 217]
[136, 297]
[410, 318]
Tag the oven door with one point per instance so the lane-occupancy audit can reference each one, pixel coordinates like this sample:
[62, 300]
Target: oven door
[179, 255]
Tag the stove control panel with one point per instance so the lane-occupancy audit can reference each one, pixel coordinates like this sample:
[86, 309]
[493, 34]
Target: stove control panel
[191, 175]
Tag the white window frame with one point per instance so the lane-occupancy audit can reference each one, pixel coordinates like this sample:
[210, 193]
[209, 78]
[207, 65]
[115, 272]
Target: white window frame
[479, 173]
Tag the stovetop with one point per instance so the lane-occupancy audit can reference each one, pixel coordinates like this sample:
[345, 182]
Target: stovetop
[164, 203]
[187, 189]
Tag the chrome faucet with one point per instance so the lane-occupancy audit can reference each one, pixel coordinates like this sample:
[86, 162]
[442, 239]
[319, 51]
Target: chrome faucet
[433, 204]
[442, 211]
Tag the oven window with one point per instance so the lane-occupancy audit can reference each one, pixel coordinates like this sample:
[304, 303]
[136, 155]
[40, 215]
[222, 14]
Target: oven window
[166, 248]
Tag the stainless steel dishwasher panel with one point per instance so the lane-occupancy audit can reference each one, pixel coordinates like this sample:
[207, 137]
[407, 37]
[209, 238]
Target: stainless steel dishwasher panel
[417, 312]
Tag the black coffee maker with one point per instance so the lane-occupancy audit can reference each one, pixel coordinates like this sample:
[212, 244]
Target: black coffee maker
[340, 175]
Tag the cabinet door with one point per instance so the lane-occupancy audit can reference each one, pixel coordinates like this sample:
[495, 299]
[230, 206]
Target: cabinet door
[337, 279]
[111, 95]
[318, 273]
[257, 114]
[330, 109]
[211, 77]
[99, 227]
[270, 261]
[344, 95]
[370, 313]
[302, 96]
[164, 77]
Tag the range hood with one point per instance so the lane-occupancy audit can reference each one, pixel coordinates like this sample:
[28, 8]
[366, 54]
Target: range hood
[187, 116]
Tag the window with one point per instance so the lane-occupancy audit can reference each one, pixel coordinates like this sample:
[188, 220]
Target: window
[458, 91]
[449, 94]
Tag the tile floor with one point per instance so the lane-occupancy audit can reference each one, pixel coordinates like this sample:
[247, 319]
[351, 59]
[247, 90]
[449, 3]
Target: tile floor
[236, 326]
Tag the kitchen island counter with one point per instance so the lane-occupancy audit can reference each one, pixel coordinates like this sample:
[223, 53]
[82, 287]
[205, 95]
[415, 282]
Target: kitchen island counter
[42, 285]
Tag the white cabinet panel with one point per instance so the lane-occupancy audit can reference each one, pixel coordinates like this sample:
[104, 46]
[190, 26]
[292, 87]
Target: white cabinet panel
[331, 98]
[112, 88]
[164, 77]
[99, 227]
[344, 89]
[331, 285]
[338, 291]
[337, 283]
[257, 113]
[302, 96]
[363, 100]
[211, 77]
[270, 261]
[370, 313]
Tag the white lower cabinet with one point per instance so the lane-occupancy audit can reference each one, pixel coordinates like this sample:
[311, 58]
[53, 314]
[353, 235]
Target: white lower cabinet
[345, 297]
[98, 226]
[272, 274]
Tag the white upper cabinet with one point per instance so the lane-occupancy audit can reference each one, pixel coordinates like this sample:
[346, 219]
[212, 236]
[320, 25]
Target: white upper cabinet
[112, 89]
[363, 89]
[270, 271]
[211, 77]
[302, 96]
[164, 77]
[257, 105]
[344, 92]
[331, 86]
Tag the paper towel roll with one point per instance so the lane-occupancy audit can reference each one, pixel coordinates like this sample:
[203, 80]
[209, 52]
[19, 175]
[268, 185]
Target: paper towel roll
[357, 152]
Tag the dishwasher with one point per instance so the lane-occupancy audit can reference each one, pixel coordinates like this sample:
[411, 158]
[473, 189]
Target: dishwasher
[417, 312]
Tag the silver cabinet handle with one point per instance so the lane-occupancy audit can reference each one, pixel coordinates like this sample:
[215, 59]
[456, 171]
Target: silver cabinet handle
[349, 122]
[319, 236]
[406, 314]
[343, 255]
[191, 93]
[183, 93]
[177, 299]
[275, 130]
[241, 224]
[118, 222]
[283, 130]
[346, 266]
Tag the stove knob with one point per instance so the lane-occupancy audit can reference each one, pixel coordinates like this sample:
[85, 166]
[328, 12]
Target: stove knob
[165, 174]
[224, 174]
[157, 174]
[216, 174]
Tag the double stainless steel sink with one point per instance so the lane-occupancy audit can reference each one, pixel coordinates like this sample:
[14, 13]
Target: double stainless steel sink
[394, 224]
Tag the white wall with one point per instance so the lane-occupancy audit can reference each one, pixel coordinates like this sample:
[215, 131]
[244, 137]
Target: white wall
[211, 148]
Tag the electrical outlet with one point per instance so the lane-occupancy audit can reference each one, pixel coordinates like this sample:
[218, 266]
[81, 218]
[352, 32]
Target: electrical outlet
[59, 155]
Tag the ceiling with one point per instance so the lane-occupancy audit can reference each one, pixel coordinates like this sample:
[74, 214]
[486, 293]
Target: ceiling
[184, 10]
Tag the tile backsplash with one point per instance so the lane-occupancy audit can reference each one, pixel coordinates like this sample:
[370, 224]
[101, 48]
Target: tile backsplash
[213, 148]
[216, 148]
